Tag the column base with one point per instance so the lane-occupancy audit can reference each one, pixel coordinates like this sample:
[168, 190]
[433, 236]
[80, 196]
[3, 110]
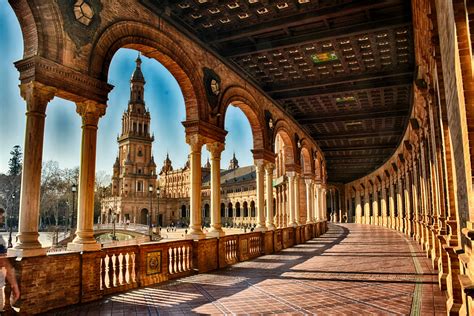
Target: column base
[84, 247]
[270, 226]
[195, 235]
[26, 252]
[260, 229]
[215, 233]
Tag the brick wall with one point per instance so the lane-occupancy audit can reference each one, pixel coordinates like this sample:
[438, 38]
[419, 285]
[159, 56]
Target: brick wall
[49, 281]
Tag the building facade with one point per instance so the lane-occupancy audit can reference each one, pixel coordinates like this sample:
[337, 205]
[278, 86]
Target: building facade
[135, 181]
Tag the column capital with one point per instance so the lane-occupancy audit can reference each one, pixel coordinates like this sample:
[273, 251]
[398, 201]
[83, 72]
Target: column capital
[215, 149]
[36, 95]
[90, 111]
[269, 166]
[308, 181]
[291, 174]
[259, 163]
[195, 141]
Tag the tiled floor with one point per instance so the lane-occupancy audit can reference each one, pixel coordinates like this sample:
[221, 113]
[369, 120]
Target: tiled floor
[351, 270]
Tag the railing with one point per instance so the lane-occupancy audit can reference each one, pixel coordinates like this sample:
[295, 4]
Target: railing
[122, 226]
[255, 246]
[231, 249]
[118, 269]
[180, 256]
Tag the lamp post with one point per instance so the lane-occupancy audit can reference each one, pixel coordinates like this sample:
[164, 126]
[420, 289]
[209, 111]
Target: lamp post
[158, 202]
[114, 237]
[10, 243]
[73, 190]
[150, 213]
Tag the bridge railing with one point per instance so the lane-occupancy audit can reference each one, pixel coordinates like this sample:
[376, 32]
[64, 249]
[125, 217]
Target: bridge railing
[123, 226]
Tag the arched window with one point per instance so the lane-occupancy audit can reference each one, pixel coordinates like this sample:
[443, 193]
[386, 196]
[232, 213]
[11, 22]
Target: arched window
[230, 210]
[237, 209]
[222, 210]
[246, 209]
[252, 209]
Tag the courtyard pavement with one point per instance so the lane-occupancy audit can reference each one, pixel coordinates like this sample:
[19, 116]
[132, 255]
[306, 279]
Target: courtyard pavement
[351, 270]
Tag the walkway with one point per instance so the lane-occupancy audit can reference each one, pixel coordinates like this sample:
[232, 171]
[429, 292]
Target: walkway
[353, 269]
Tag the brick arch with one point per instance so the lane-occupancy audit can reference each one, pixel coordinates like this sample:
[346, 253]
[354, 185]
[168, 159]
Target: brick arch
[242, 99]
[306, 160]
[36, 40]
[283, 130]
[155, 44]
[317, 168]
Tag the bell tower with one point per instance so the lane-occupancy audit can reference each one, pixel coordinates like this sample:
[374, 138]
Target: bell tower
[135, 168]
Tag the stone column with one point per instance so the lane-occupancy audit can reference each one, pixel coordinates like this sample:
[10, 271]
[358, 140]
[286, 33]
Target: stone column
[366, 205]
[325, 207]
[399, 204]
[309, 200]
[277, 207]
[408, 223]
[215, 150]
[291, 197]
[195, 143]
[383, 204]
[37, 97]
[315, 201]
[375, 205]
[90, 112]
[260, 172]
[358, 211]
[391, 204]
[349, 210]
[269, 188]
[415, 206]
[297, 200]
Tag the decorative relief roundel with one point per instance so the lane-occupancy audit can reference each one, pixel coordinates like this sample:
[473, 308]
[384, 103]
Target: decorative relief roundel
[83, 12]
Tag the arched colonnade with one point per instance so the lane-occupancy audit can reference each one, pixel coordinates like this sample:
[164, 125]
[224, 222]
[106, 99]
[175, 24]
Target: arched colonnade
[48, 70]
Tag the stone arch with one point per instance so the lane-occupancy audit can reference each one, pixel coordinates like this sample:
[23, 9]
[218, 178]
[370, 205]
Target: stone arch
[37, 38]
[155, 44]
[306, 161]
[282, 130]
[242, 99]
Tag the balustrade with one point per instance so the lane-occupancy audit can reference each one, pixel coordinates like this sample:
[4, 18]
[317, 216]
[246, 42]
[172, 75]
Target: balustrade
[180, 257]
[118, 269]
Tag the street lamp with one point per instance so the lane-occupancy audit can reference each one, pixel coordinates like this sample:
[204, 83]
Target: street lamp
[73, 190]
[10, 244]
[114, 237]
[150, 191]
[158, 202]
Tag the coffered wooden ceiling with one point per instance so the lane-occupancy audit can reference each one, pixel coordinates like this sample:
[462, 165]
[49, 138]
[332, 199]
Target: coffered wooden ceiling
[343, 69]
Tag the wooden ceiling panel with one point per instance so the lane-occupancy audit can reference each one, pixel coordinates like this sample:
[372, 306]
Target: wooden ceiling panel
[343, 69]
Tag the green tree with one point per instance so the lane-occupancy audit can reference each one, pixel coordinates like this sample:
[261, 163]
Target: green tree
[15, 163]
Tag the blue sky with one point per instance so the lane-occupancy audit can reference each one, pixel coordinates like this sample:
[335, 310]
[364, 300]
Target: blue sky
[63, 126]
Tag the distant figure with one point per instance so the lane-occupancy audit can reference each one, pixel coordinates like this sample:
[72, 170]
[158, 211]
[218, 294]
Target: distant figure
[185, 232]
